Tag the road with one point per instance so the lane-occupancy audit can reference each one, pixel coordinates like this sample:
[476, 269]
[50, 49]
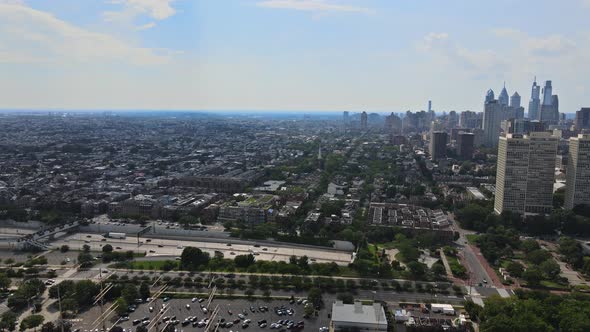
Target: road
[477, 271]
[173, 248]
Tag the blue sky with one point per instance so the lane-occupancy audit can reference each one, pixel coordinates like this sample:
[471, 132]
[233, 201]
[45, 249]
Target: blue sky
[377, 55]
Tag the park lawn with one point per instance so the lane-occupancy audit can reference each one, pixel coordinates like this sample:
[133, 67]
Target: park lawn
[472, 238]
[345, 271]
[504, 263]
[457, 269]
[554, 285]
[148, 265]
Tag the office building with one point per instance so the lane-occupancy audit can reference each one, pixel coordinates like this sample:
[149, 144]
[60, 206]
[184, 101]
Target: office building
[515, 100]
[417, 121]
[525, 173]
[577, 185]
[364, 119]
[438, 145]
[582, 119]
[465, 143]
[549, 111]
[470, 120]
[452, 119]
[345, 117]
[393, 124]
[522, 126]
[489, 96]
[535, 102]
[493, 115]
[503, 97]
[357, 317]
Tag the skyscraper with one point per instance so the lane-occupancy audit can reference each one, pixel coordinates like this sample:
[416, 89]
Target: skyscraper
[364, 120]
[577, 186]
[549, 112]
[535, 102]
[345, 117]
[583, 119]
[438, 145]
[465, 142]
[515, 100]
[493, 115]
[489, 96]
[547, 89]
[525, 173]
[503, 97]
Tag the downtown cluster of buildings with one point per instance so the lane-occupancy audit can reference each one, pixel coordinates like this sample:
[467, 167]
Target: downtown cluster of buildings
[535, 148]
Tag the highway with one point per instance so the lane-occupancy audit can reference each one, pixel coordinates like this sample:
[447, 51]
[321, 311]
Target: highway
[167, 248]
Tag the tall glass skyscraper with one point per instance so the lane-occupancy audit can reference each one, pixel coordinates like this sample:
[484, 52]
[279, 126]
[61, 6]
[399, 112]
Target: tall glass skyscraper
[535, 102]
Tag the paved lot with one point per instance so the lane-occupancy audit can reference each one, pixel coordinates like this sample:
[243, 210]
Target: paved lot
[177, 307]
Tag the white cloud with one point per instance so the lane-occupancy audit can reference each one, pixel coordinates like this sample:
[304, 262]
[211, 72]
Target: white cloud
[551, 45]
[146, 26]
[132, 9]
[29, 35]
[474, 61]
[313, 6]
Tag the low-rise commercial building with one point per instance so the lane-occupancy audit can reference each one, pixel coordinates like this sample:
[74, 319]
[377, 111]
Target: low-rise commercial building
[357, 317]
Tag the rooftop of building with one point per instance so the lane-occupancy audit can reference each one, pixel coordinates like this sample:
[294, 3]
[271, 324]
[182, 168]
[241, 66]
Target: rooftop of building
[358, 313]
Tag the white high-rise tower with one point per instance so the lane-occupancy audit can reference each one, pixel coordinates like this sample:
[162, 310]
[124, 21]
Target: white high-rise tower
[577, 187]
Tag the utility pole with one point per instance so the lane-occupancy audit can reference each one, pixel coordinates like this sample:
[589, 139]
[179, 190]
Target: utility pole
[61, 318]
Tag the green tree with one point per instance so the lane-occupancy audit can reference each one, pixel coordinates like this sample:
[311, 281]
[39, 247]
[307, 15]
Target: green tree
[538, 256]
[85, 291]
[315, 297]
[48, 327]
[346, 298]
[31, 322]
[8, 321]
[64, 248]
[418, 270]
[244, 261]
[122, 305]
[144, 290]
[533, 276]
[550, 269]
[515, 269]
[130, 293]
[193, 258]
[85, 259]
[308, 310]
[86, 248]
[5, 281]
[107, 248]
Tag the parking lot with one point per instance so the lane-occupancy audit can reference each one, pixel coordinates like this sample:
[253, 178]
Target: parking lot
[178, 307]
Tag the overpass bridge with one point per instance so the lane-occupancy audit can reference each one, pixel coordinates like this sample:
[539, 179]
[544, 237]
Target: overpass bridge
[37, 240]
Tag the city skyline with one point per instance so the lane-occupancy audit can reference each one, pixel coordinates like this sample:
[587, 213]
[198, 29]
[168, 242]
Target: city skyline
[318, 56]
